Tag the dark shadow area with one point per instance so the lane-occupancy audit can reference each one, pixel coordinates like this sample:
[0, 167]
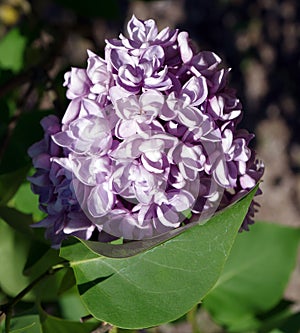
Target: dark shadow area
[84, 287]
[260, 41]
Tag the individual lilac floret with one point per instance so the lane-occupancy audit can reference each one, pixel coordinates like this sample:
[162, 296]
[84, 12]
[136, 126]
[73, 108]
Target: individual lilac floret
[53, 185]
[143, 34]
[150, 137]
[140, 62]
[136, 114]
[92, 82]
[140, 73]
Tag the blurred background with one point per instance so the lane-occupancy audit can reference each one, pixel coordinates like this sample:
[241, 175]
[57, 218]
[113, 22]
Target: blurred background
[258, 39]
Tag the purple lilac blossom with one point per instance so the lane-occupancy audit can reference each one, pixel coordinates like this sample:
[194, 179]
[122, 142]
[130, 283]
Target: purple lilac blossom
[150, 136]
[53, 185]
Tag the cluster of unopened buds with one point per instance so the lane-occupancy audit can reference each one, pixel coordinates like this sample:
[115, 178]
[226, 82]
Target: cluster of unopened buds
[148, 142]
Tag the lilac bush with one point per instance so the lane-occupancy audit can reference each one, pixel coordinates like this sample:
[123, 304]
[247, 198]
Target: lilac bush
[149, 141]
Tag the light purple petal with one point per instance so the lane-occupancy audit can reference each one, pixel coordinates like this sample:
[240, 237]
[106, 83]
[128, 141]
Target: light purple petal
[195, 91]
[101, 200]
[185, 50]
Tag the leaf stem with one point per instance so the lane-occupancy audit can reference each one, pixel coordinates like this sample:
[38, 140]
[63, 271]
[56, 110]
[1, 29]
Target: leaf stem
[104, 328]
[8, 307]
[192, 319]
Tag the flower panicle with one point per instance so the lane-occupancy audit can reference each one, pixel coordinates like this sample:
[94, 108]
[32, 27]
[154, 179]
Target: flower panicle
[150, 136]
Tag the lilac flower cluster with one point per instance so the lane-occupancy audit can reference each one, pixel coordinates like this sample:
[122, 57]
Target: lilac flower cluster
[149, 137]
[53, 185]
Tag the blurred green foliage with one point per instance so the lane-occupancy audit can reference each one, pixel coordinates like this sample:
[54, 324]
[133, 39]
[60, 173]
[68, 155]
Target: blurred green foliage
[12, 47]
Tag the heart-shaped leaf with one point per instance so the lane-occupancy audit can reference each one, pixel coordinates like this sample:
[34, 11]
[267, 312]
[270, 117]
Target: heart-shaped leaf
[255, 276]
[162, 283]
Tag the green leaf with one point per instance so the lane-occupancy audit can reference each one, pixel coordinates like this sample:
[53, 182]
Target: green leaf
[27, 131]
[10, 182]
[68, 281]
[14, 249]
[162, 283]
[71, 306]
[52, 324]
[40, 258]
[276, 316]
[255, 276]
[26, 324]
[22, 222]
[12, 48]
[27, 202]
[292, 325]
[17, 220]
[44, 323]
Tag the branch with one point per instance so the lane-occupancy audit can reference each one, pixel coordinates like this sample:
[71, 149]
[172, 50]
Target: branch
[8, 307]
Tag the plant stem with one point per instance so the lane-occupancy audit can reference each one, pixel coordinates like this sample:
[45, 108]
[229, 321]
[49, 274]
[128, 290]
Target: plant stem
[7, 320]
[104, 328]
[8, 307]
[191, 317]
